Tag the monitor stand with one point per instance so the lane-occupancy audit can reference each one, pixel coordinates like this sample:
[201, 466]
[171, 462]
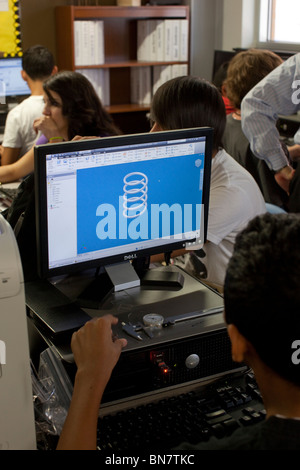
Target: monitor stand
[126, 275]
[116, 277]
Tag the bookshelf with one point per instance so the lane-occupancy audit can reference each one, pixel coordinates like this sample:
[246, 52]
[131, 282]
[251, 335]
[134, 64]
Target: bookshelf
[120, 35]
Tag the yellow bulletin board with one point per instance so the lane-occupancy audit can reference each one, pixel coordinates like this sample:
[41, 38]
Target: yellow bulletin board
[10, 29]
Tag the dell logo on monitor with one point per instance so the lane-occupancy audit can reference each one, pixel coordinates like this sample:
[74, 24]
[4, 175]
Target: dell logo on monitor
[132, 256]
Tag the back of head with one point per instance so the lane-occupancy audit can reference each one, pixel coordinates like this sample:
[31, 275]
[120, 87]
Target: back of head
[187, 102]
[246, 69]
[81, 105]
[262, 289]
[38, 62]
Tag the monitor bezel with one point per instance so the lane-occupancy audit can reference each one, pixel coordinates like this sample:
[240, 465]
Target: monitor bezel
[42, 151]
[26, 91]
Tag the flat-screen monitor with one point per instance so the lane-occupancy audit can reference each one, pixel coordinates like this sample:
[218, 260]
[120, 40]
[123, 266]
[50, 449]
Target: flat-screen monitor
[109, 201]
[221, 57]
[11, 82]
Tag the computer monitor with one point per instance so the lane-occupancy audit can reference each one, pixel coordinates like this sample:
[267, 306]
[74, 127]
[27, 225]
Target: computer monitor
[107, 201]
[220, 58]
[11, 81]
[223, 57]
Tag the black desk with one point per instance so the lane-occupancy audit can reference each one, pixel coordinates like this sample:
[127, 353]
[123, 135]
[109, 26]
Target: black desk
[204, 336]
[55, 312]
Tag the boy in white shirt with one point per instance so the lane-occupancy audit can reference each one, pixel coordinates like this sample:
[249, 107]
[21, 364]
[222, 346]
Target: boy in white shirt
[19, 135]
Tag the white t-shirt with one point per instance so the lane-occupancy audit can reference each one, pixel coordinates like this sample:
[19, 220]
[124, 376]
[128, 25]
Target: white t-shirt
[235, 199]
[19, 132]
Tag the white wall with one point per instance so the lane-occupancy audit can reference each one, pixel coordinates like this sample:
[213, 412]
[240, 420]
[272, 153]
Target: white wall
[239, 24]
[220, 24]
[204, 19]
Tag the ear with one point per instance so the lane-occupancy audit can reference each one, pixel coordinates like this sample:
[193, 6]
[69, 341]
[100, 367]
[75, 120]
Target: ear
[24, 75]
[156, 128]
[239, 344]
[55, 70]
[224, 89]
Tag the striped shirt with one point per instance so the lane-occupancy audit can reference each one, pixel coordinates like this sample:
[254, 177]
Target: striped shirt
[278, 93]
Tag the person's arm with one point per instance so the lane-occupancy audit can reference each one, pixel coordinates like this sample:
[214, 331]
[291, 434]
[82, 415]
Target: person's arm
[275, 94]
[96, 354]
[18, 169]
[9, 155]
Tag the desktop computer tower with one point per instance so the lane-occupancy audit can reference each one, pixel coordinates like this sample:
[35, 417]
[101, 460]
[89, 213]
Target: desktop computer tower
[17, 424]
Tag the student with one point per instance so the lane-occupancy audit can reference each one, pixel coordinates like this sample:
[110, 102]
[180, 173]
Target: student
[71, 108]
[19, 134]
[234, 195]
[245, 70]
[262, 302]
[278, 93]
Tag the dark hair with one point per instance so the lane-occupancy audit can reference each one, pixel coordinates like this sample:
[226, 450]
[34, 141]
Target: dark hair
[38, 62]
[262, 289]
[246, 69]
[81, 105]
[187, 102]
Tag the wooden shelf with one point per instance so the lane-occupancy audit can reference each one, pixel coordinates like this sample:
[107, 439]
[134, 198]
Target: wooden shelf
[120, 50]
[129, 63]
[126, 108]
[162, 11]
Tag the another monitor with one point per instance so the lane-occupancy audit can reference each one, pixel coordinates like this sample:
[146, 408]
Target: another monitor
[11, 81]
[109, 200]
[220, 58]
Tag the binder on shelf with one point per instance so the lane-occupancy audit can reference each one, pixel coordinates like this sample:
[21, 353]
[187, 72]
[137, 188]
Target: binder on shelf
[164, 73]
[162, 40]
[184, 41]
[141, 85]
[99, 78]
[88, 42]
[143, 42]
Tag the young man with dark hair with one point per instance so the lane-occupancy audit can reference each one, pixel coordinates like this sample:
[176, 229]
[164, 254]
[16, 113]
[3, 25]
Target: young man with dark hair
[19, 134]
[262, 305]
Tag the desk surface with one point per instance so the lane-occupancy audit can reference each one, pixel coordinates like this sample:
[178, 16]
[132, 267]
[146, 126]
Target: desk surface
[55, 313]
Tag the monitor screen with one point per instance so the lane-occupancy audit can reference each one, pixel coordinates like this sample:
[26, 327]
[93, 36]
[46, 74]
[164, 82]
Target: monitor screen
[221, 57]
[11, 81]
[105, 201]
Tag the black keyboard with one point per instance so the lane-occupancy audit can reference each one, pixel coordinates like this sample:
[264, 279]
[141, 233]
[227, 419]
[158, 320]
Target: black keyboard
[215, 410]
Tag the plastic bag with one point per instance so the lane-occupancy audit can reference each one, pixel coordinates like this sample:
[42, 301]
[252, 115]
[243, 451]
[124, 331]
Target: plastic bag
[52, 392]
